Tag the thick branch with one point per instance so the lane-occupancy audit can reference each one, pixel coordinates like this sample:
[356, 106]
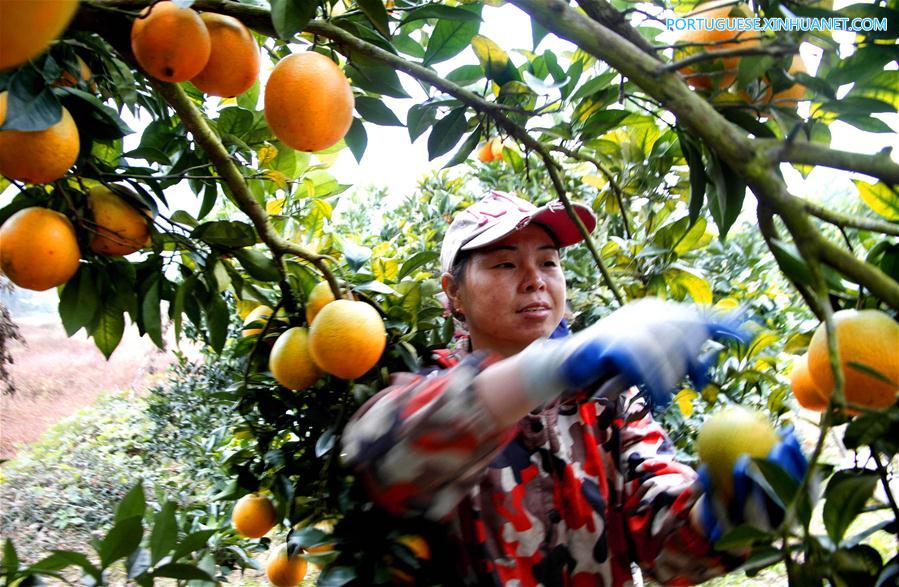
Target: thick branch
[603, 12]
[880, 165]
[846, 221]
[218, 155]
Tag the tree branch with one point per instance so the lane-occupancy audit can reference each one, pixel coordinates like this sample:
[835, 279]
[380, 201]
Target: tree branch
[879, 165]
[710, 55]
[209, 142]
[616, 189]
[844, 220]
[604, 13]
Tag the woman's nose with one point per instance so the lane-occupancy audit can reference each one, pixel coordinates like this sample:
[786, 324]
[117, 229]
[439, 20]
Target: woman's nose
[532, 279]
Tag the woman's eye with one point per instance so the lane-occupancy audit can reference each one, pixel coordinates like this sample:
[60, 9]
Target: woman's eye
[549, 263]
[505, 265]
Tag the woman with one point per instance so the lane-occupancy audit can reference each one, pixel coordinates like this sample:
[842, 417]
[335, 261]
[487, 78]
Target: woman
[536, 452]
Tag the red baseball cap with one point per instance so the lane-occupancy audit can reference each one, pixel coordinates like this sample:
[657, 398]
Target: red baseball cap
[499, 214]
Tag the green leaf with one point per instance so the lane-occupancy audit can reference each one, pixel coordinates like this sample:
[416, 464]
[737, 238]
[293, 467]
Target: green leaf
[693, 153]
[78, 301]
[182, 571]
[466, 75]
[250, 98]
[380, 79]
[30, 106]
[781, 482]
[235, 121]
[123, 539]
[192, 542]
[880, 198]
[741, 537]
[450, 37]
[94, 118]
[150, 321]
[132, 504]
[290, 16]
[356, 256]
[10, 558]
[726, 198]
[376, 13]
[217, 321]
[681, 281]
[165, 532]
[794, 266]
[603, 121]
[226, 233]
[258, 265]
[420, 118]
[446, 133]
[867, 61]
[465, 150]
[60, 559]
[109, 328]
[858, 565]
[441, 12]
[494, 60]
[846, 495]
[416, 261]
[374, 110]
[357, 139]
[137, 563]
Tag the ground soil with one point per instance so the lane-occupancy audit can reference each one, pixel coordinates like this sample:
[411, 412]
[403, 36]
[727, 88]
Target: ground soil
[55, 375]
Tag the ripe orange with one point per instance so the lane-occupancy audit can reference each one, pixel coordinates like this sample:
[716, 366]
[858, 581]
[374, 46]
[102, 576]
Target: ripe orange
[258, 314]
[290, 362]
[27, 27]
[38, 249]
[38, 156]
[120, 228]
[807, 393]
[791, 96]
[729, 434]
[868, 338]
[283, 571]
[308, 102]
[491, 151]
[233, 63]
[720, 73]
[170, 43]
[320, 295]
[254, 515]
[347, 338]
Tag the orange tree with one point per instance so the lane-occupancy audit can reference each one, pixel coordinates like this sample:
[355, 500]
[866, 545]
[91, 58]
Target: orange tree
[670, 141]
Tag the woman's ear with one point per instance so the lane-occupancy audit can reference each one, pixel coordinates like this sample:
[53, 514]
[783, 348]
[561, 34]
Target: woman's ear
[451, 289]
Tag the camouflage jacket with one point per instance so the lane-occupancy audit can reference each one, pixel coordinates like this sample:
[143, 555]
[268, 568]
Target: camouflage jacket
[573, 495]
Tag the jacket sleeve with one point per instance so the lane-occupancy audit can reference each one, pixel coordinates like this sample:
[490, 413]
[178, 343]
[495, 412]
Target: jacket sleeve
[659, 503]
[421, 444]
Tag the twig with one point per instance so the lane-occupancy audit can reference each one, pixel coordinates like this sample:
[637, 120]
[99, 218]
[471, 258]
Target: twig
[711, 55]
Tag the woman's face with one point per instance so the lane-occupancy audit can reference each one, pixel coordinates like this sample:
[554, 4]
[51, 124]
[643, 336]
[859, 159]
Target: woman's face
[512, 292]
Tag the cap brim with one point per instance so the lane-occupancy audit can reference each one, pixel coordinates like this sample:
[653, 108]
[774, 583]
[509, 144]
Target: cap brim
[553, 216]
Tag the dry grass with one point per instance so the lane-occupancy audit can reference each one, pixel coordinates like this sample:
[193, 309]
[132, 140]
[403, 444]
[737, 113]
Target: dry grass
[55, 376]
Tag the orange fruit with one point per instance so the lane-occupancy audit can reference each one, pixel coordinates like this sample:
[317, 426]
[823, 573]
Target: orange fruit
[120, 228]
[729, 434]
[491, 151]
[233, 63]
[254, 516]
[290, 362]
[68, 80]
[282, 571]
[38, 249]
[868, 338]
[807, 393]
[308, 102]
[170, 43]
[38, 156]
[27, 27]
[718, 73]
[347, 338]
[417, 545]
[320, 295]
[258, 314]
[791, 96]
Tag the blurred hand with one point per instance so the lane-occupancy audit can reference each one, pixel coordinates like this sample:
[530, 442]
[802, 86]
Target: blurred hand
[750, 503]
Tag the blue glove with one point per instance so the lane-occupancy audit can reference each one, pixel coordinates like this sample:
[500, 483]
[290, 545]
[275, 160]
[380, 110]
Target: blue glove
[649, 342]
[750, 503]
